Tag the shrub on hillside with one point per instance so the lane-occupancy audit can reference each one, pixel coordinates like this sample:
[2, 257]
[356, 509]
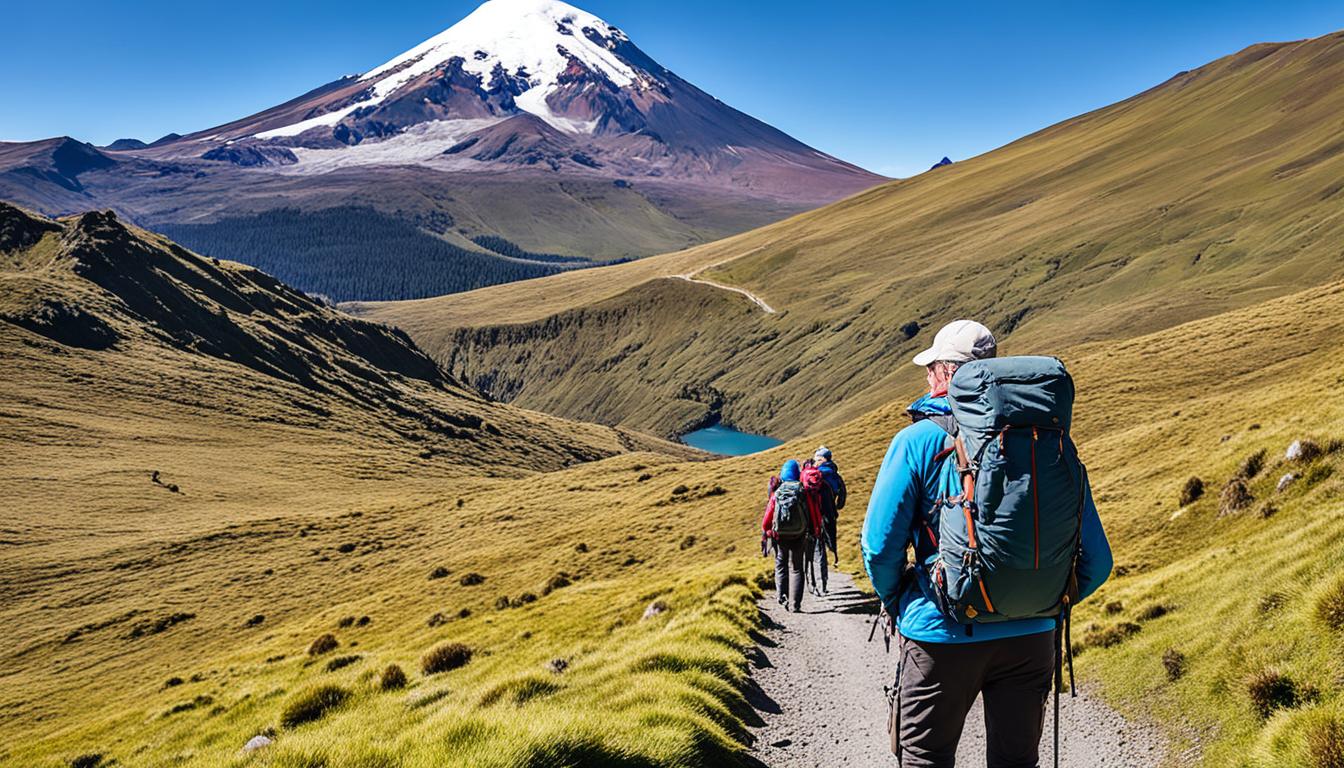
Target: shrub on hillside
[438, 573]
[1325, 742]
[1191, 491]
[345, 622]
[393, 678]
[1114, 607]
[471, 579]
[323, 644]
[523, 599]
[312, 704]
[1270, 690]
[688, 542]
[1174, 662]
[444, 658]
[1252, 465]
[501, 602]
[1330, 605]
[1235, 497]
[89, 760]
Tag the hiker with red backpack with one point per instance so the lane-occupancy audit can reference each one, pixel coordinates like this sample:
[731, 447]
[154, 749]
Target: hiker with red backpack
[792, 516]
[986, 485]
[831, 495]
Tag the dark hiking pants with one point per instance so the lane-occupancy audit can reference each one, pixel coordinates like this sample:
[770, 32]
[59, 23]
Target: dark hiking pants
[939, 683]
[789, 565]
[816, 557]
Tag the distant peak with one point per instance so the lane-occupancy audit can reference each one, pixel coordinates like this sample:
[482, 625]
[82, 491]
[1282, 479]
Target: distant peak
[941, 163]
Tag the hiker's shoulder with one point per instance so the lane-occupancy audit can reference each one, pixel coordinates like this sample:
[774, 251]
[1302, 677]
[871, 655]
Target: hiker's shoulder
[922, 431]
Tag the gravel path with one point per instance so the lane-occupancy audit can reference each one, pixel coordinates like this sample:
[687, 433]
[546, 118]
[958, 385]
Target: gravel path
[820, 694]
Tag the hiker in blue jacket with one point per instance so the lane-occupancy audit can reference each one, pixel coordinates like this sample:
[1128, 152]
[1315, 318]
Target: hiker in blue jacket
[945, 664]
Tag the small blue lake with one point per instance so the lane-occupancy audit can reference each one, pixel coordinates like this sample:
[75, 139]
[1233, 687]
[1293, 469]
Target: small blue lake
[728, 441]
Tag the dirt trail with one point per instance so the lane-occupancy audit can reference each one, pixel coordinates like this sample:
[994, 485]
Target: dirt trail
[691, 278]
[820, 694]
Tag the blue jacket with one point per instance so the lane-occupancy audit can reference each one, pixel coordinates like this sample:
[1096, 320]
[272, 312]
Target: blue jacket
[906, 487]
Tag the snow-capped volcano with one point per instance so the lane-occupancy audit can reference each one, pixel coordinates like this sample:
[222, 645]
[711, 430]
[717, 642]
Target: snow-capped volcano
[536, 83]
[528, 129]
[523, 50]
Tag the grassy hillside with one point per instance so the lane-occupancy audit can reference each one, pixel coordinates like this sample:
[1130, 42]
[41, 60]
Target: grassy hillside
[607, 606]
[1215, 190]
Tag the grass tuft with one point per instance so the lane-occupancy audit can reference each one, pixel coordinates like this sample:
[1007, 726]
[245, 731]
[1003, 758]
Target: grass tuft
[1113, 635]
[1191, 491]
[1155, 611]
[312, 704]
[1252, 465]
[1330, 605]
[323, 643]
[1236, 496]
[89, 760]
[1325, 742]
[445, 658]
[392, 679]
[341, 662]
[558, 581]
[1269, 690]
[1174, 662]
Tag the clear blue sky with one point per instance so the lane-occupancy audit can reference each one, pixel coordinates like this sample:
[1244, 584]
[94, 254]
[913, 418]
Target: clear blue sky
[892, 86]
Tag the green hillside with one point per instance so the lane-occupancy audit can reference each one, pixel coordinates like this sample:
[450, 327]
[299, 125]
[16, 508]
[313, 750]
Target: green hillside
[1215, 190]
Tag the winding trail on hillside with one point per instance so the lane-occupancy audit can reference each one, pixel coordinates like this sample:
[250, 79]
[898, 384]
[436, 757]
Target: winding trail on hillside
[691, 278]
[819, 690]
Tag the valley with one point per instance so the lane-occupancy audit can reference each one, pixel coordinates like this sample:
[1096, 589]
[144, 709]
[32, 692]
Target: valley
[1123, 221]
[245, 525]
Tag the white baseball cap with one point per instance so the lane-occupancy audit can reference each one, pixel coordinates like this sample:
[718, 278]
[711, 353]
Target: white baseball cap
[959, 341]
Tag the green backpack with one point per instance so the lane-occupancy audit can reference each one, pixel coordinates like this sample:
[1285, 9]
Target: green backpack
[790, 520]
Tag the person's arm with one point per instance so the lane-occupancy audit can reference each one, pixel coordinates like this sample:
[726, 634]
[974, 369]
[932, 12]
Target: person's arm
[1094, 558]
[891, 509]
[769, 518]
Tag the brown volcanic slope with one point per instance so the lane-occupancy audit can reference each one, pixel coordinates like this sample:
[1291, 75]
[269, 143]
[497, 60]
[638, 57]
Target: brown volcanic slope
[126, 353]
[1222, 187]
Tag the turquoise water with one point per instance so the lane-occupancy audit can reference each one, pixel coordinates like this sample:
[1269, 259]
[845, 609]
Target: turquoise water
[728, 441]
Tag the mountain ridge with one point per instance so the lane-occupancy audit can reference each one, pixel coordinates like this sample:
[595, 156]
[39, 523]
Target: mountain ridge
[1121, 221]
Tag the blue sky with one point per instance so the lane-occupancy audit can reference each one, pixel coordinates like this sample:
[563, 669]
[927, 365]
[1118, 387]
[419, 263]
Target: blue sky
[892, 86]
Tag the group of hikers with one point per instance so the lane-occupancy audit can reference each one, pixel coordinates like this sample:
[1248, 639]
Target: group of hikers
[980, 536]
[802, 507]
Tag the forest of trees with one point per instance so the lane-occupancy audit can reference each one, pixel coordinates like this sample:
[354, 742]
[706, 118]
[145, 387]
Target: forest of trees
[351, 253]
[508, 248]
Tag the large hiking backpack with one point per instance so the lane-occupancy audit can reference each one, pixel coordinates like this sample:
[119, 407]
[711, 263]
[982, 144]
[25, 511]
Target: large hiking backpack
[1008, 543]
[790, 521]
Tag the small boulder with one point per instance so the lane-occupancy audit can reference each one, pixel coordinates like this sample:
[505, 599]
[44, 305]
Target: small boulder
[256, 742]
[655, 608]
[1284, 482]
[1302, 451]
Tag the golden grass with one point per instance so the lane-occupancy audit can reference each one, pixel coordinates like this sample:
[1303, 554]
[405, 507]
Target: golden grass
[1216, 190]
